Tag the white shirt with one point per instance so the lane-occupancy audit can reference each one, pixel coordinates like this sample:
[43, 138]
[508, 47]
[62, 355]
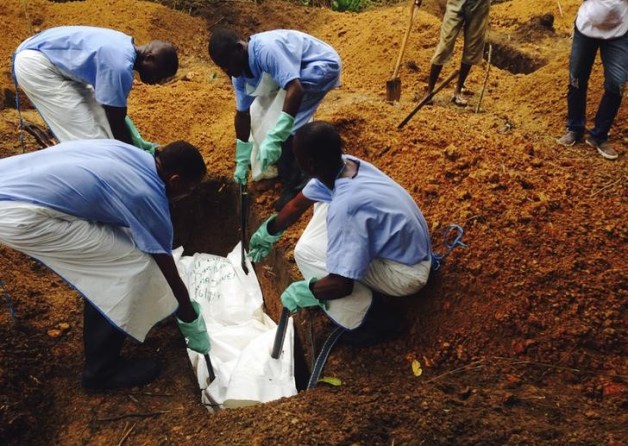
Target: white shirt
[603, 19]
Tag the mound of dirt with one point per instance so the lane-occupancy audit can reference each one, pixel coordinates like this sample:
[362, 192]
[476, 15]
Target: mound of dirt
[521, 336]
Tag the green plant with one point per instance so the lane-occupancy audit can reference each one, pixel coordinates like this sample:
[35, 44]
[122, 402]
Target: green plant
[348, 5]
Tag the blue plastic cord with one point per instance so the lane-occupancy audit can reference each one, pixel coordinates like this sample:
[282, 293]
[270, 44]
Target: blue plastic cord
[438, 259]
[8, 301]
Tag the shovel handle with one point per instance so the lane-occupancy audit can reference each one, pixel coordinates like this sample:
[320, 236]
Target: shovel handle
[243, 213]
[426, 99]
[415, 3]
[210, 368]
[281, 333]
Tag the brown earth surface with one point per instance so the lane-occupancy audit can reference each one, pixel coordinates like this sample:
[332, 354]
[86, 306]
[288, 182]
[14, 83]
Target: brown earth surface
[521, 336]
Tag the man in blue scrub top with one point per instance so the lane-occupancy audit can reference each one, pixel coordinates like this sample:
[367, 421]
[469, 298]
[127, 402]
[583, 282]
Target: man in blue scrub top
[367, 238]
[96, 212]
[302, 65]
[79, 78]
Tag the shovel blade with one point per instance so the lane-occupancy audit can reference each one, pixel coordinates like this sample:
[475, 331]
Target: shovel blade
[393, 90]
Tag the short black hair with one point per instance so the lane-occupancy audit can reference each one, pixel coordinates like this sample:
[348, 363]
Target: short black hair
[222, 43]
[167, 58]
[182, 158]
[320, 141]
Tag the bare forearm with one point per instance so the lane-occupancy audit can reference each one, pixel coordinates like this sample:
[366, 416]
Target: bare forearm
[290, 213]
[243, 125]
[166, 264]
[332, 287]
[294, 97]
[115, 117]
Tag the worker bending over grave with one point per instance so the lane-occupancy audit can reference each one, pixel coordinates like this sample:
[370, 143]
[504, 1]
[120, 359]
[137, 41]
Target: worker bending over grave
[367, 238]
[79, 78]
[471, 16]
[96, 212]
[603, 25]
[291, 68]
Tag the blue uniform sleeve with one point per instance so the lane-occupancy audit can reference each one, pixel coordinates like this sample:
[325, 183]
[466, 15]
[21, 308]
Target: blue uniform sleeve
[151, 226]
[113, 80]
[316, 191]
[281, 59]
[243, 100]
[348, 248]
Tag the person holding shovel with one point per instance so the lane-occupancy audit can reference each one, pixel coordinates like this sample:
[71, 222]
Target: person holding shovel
[472, 17]
[97, 213]
[290, 72]
[79, 78]
[603, 25]
[367, 238]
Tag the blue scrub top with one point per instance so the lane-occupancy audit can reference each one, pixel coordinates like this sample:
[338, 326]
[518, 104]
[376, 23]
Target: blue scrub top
[99, 180]
[100, 57]
[287, 55]
[370, 216]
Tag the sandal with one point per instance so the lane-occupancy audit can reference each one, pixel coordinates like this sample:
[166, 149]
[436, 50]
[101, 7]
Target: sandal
[459, 100]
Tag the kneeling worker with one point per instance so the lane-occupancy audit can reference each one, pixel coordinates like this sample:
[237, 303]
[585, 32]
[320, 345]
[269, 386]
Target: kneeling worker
[302, 66]
[367, 236]
[96, 212]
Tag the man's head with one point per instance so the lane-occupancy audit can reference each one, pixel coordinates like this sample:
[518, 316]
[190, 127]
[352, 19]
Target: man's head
[156, 61]
[318, 149]
[181, 167]
[229, 52]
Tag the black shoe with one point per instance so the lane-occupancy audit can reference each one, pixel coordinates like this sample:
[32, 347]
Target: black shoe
[127, 373]
[105, 369]
[382, 323]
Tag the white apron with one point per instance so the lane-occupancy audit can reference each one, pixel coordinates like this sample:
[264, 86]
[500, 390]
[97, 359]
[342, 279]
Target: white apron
[69, 107]
[100, 261]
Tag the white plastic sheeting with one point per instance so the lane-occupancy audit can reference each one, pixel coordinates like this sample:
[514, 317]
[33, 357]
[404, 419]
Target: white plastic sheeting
[241, 334]
[265, 112]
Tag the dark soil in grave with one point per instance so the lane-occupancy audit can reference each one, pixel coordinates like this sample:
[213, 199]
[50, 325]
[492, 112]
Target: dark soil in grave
[521, 336]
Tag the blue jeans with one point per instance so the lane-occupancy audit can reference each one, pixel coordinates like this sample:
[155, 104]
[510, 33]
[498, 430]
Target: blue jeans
[614, 53]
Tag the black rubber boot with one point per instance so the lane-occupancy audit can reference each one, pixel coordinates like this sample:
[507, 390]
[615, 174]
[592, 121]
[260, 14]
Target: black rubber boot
[382, 323]
[290, 174]
[104, 368]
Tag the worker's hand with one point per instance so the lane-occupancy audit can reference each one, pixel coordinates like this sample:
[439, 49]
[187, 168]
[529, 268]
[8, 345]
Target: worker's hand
[298, 295]
[262, 241]
[270, 149]
[243, 161]
[195, 332]
[137, 139]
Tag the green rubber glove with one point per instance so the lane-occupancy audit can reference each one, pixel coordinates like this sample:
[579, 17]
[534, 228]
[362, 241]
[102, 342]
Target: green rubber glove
[270, 149]
[298, 295]
[243, 161]
[262, 242]
[195, 332]
[137, 139]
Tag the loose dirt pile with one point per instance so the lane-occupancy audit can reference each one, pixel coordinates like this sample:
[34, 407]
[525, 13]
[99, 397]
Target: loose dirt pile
[521, 336]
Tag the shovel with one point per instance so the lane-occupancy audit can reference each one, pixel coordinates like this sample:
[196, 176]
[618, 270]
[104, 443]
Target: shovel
[427, 98]
[244, 195]
[210, 369]
[393, 86]
[280, 334]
